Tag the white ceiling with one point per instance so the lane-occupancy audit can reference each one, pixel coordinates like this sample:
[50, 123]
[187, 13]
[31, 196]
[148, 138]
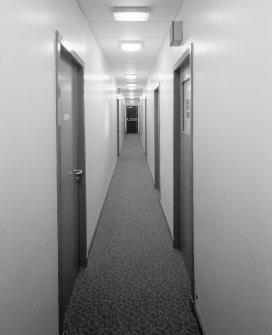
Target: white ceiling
[151, 34]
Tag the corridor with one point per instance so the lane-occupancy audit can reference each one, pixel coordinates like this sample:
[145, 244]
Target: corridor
[136, 180]
[135, 282]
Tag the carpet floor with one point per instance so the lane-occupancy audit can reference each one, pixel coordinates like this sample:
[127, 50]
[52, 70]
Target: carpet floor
[135, 282]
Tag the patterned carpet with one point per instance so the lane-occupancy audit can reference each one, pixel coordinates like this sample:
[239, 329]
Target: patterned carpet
[135, 282]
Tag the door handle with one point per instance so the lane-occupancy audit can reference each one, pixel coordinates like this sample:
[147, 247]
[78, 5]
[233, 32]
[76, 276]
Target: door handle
[76, 172]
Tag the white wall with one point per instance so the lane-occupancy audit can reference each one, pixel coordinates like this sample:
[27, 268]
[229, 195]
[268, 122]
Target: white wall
[232, 159]
[28, 229]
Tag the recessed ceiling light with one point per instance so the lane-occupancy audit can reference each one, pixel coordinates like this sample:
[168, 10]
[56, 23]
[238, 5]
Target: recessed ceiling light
[131, 46]
[131, 88]
[131, 85]
[131, 13]
[131, 76]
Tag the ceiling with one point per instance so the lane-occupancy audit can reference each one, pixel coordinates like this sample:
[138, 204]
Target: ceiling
[109, 34]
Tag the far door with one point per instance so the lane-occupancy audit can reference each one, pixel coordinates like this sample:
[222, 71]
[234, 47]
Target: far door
[71, 174]
[132, 119]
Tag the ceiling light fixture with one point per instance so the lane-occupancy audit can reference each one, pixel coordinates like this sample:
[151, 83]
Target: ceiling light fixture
[131, 85]
[131, 13]
[131, 46]
[131, 88]
[131, 76]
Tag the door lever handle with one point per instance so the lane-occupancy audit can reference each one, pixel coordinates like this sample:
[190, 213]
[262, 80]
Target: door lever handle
[77, 172]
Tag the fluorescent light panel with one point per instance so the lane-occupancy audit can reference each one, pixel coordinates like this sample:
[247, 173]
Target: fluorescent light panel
[131, 76]
[131, 13]
[131, 46]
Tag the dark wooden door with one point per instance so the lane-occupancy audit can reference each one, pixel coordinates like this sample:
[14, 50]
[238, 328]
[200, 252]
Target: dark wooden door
[157, 138]
[69, 163]
[118, 127]
[145, 104]
[186, 170]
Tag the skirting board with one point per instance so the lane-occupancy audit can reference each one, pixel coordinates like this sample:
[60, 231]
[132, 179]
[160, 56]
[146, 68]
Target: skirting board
[195, 312]
[166, 222]
[200, 325]
[99, 218]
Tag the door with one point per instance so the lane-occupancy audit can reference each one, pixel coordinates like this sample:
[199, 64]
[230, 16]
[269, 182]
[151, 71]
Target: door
[145, 127]
[157, 138]
[70, 177]
[183, 163]
[71, 174]
[186, 171]
[118, 129]
[132, 119]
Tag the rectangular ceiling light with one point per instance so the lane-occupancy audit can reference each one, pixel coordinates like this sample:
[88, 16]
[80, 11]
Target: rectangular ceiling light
[131, 46]
[131, 13]
[131, 76]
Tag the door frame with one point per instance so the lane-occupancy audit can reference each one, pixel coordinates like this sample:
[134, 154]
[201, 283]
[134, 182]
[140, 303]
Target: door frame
[187, 56]
[72, 56]
[157, 137]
